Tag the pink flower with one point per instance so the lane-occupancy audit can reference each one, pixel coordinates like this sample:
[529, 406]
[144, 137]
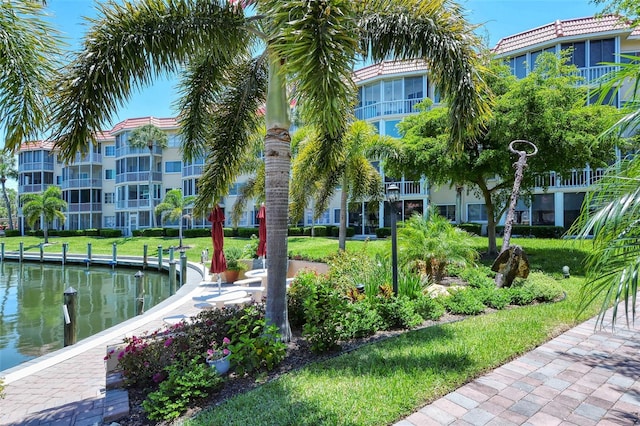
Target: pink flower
[226, 341]
[225, 351]
[168, 342]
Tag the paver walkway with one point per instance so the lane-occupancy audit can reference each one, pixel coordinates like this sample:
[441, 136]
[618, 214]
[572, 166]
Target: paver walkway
[582, 377]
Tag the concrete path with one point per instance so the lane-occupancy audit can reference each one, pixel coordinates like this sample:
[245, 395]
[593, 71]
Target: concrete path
[582, 377]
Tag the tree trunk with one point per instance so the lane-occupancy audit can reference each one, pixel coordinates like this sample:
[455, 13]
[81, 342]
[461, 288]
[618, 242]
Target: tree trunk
[491, 220]
[344, 196]
[277, 165]
[6, 201]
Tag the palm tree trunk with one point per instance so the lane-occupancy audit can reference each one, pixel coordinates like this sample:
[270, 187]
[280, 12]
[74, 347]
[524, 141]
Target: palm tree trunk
[6, 202]
[342, 234]
[277, 165]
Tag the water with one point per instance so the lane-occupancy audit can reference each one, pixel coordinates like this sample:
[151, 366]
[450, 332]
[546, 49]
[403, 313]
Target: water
[31, 300]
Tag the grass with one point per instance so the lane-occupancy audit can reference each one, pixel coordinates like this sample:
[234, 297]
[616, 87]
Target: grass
[386, 381]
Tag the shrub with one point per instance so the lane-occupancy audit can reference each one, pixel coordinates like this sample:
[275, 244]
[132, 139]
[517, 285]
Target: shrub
[537, 231]
[476, 277]
[361, 319]
[110, 233]
[172, 232]
[397, 312]
[246, 232]
[428, 308]
[463, 302]
[92, 232]
[521, 295]
[318, 231]
[324, 309]
[471, 228]
[12, 233]
[493, 297]
[250, 249]
[543, 287]
[186, 382]
[347, 269]
[300, 290]
[196, 232]
[229, 232]
[254, 345]
[383, 232]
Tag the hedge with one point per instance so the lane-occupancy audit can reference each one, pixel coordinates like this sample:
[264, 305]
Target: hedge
[471, 228]
[296, 231]
[383, 232]
[540, 231]
[110, 233]
[172, 232]
[318, 231]
[196, 232]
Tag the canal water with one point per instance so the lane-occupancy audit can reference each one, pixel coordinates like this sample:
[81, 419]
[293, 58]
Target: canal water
[32, 299]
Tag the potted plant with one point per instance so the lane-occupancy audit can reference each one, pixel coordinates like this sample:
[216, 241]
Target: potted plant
[234, 265]
[218, 356]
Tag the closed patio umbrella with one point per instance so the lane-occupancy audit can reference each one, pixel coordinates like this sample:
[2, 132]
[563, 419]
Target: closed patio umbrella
[218, 261]
[262, 234]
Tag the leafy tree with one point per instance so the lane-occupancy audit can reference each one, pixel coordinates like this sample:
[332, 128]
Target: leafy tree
[148, 136]
[7, 170]
[228, 92]
[172, 208]
[29, 55]
[358, 179]
[546, 108]
[46, 206]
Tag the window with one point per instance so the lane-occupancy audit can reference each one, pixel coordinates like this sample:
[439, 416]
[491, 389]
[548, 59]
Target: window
[109, 221]
[543, 209]
[172, 167]
[601, 51]
[109, 197]
[108, 174]
[174, 141]
[534, 56]
[476, 213]
[109, 151]
[413, 88]
[519, 66]
[336, 215]
[390, 128]
[448, 211]
[578, 53]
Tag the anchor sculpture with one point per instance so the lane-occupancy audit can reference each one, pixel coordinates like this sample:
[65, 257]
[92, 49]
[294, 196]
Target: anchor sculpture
[512, 261]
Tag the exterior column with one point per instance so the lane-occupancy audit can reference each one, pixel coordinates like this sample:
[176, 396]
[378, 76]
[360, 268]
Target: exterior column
[558, 201]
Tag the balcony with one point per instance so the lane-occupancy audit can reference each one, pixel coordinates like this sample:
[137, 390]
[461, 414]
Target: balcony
[81, 183]
[128, 150]
[579, 178]
[37, 166]
[192, 170]
[592, 74]
[89, 158]
[135, 204]
[84, 207]
[38, 187]
[138, 177]
[404, 106]
[407, 187]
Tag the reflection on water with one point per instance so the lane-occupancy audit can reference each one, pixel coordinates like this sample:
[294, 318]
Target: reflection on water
[31, 299]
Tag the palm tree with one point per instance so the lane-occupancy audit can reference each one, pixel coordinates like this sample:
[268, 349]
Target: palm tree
[148, 136]
[353, 172]
[7, 170]
[172, 207]
[230, 88]
[45, 207]
[29, 56]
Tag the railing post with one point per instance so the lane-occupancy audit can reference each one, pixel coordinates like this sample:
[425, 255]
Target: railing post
[69, 311]
[172, 277]
[114, 256]
[170, 253]
[183, 268]
[2, 251]
[139, 293]
[41, 252]
[21, 251]
[145, 249]
[64, 252]
[159, 258]
[89, 251]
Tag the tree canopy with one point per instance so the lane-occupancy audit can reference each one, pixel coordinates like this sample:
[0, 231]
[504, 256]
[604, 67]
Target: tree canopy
[547, 107]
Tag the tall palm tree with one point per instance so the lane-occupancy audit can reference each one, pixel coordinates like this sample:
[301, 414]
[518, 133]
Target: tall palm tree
[7, 170]
[230, 87]
[45, 207]
[172, 207]
[356, 176]
[148, 136]
[29, 55]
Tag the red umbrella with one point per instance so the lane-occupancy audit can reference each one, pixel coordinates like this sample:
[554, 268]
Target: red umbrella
[218, 261]
[262, 232]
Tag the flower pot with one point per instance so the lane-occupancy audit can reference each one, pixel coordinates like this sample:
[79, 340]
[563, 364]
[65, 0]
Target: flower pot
[221, 365]
[231, 275]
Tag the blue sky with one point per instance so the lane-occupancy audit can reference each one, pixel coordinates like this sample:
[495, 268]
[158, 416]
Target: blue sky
[498, 18]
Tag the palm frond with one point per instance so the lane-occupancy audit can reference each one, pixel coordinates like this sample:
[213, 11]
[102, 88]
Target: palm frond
[29, 57]
[435, 31]
[129, 45]
[235, 121]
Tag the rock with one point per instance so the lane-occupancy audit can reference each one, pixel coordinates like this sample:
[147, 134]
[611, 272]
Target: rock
[512, 263]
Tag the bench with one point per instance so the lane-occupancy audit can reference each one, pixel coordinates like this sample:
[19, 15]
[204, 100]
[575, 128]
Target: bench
[248, 281]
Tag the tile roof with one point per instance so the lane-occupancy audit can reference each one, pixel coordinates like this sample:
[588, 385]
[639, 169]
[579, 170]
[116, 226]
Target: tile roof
[132, 123]
[37, 145]
[557, 30]
[387, 68]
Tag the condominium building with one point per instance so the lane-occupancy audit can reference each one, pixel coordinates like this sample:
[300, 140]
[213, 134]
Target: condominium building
[117, 186]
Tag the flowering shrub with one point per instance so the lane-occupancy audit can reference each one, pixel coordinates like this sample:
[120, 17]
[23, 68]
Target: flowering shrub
[216, 352]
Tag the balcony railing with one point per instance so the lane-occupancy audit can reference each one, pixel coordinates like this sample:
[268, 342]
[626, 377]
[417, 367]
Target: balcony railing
[37, 166]
[84, 207]
[591, 74]
[574, 179]
[138, 177]
[39, 187]
[135, 204]
[81, 183]
[404, 106]
[128, 150]
[90, 158]
[408, 187]
[193, 170]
